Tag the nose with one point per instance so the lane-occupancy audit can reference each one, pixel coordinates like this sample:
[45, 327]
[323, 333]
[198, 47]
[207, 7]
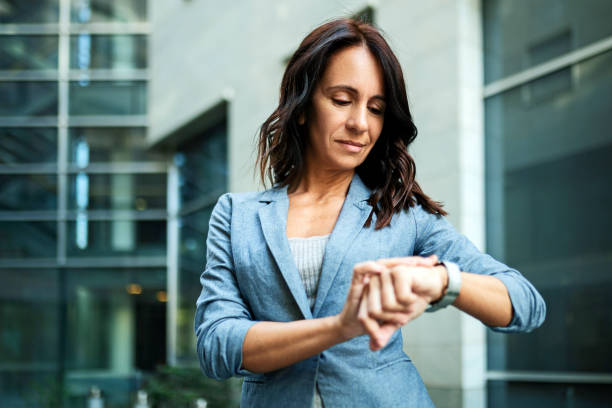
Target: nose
[358, 119]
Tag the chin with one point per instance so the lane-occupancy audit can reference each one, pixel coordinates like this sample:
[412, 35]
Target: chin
[347, 163]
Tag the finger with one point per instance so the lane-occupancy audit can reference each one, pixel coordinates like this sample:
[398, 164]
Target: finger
[402, 283]
[389, 302]
[361, 276]
[370, 325]
[356, 290]
[384, 335]
[374, 304]
[373, 298]
[367, 268]
[409, 261]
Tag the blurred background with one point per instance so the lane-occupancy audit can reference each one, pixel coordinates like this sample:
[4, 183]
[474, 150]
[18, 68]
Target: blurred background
[122, 121]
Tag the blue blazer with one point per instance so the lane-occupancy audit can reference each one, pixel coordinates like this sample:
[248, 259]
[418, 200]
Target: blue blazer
[250, 276]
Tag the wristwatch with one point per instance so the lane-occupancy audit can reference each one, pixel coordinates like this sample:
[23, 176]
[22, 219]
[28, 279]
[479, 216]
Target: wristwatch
[452, 289]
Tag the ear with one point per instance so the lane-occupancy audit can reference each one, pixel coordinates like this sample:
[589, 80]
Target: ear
[301, 119]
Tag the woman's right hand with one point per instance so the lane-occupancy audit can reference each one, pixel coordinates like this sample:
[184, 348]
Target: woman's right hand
[354, 320]
[349, 323]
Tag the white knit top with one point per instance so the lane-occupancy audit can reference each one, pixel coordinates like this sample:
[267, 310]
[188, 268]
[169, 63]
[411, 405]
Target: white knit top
[308, 256]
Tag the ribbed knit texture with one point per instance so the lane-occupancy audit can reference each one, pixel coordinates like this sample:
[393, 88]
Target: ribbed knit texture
[308, 256]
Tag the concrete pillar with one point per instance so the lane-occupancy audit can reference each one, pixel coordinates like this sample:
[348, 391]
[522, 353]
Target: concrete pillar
[121, 336]
[439, 44]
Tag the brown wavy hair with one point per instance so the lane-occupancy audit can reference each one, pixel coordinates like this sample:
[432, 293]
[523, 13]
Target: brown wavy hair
[389, 170]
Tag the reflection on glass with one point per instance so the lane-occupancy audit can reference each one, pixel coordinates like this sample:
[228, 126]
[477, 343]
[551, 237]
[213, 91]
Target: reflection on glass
[88, 11]
[193, 230]
[89, 51]
[205, 155]
[202, 164]
[28, 192]
[113, 333]
[20, 11]
[117, 238]
[117, 191]
[108, 98]
[28, 369]
[28, 145]
[548, 178]
[502, 394]
[109, 322]
[28, 98]
[192, 249]
[28, 239]
[21, 52]
[522, 33]
[110, 145]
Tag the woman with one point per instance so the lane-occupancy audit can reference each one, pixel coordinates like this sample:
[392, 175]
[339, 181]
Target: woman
[345, 244]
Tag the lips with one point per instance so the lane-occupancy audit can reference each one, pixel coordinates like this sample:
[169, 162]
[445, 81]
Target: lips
[351, 146]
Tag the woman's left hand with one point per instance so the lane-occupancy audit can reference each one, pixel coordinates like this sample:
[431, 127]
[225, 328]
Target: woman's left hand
[398, 295]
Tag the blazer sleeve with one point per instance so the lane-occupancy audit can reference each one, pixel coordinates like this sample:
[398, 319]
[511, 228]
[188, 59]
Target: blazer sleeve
[435, 235]
[222, 316]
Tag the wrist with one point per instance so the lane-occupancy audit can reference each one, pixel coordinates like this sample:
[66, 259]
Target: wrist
[442, 275]
[341, 332]
[450, 289]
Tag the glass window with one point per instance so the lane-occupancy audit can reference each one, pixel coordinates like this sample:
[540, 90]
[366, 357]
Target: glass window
[30, 352]
[109, 145]
[202, 165]
[28, 192]
[108, 51]
[117, 191]
[86, 11]
[116, 238]
[116, 319]
[28, 145]
[20, 52]
[23, 98]
[548, 196]
[522, 33]
[27, 296]
[28, 239]
[205, 155]
[503, 394]
[108, 98]
[192, 259]
[29, 11]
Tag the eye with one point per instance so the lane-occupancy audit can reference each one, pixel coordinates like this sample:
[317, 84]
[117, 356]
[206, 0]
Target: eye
[341, 102]
[376, 110]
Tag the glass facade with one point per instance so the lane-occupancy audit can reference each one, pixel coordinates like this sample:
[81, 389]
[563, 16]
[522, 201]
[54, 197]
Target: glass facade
[29, 12]
[548, 151]
[207, 154]
[93, 11]
[108, 51]
[28, 145]
[28, 98]
[521, 34]
[108, 98]
[83, 219]
[21, 52]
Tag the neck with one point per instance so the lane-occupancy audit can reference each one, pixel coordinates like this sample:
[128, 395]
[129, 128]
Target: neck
[324, 183]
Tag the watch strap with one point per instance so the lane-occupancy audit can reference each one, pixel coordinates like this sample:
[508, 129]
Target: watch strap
[452, 289]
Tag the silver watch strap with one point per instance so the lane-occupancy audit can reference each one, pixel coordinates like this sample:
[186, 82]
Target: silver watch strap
[452, 290]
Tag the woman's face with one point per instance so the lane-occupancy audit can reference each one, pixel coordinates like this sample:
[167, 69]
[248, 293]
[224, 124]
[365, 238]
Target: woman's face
[347, 110]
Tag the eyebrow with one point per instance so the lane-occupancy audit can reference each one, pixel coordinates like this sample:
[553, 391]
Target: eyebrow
[351, 90]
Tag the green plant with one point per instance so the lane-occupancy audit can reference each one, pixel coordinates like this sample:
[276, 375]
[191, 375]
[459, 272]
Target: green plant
[180, 387]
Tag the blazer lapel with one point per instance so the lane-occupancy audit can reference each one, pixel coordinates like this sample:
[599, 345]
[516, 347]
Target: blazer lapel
[273, 219]
[354, 213]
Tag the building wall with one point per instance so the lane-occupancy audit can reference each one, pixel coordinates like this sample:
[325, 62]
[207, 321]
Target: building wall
[206, 52]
